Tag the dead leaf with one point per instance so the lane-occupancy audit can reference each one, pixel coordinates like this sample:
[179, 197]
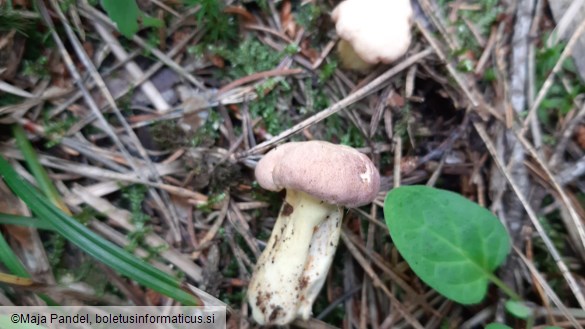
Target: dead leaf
[153, 297]
[395, 100]
[580, 136]
[311, 53]
[289, 25]
[247, 17]
[216, 60]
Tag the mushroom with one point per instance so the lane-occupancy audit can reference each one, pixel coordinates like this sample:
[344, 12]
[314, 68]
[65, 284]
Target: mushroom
[372, 31]
[320, 178]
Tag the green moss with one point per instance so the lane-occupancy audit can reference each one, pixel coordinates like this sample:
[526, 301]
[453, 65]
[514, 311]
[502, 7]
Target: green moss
[266, 107]
[327, 70]
[250, 57]
[134, 196]
[220, 27]
[208, 133]
[10, 20]
[55, 129]
[169, 135]
[482, 19]
[307, 15]
[36, 68]
[56, 247]
[559, 100]
[214, 199]
[344, 133]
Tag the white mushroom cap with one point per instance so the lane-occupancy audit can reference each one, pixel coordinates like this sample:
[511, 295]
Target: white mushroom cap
[336, 174]
[378, 30]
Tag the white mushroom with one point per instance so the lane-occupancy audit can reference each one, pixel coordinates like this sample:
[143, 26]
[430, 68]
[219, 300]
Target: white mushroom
[320, 178]
[372, 31]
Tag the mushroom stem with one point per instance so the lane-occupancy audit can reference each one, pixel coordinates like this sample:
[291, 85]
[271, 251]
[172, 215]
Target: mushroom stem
[293, 267]
[350, 59]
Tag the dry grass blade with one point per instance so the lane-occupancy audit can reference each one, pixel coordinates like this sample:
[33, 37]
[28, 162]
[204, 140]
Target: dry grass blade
[576, 219]
[549, 292]
[8, 88]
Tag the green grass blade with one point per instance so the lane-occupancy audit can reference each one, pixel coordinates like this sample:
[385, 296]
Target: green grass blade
[10, 260]
[34, 165]
[102, 250]
[8, 219]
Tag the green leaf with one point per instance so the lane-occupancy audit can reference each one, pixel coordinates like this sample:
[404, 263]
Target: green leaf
[125, 14]
[497, 326]
[35, 167]
[148, 21]
[24, 221]
[9, 259]
[451, 243]
[518, 309]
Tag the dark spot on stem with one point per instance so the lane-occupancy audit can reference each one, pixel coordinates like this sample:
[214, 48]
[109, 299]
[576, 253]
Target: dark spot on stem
[303, 282]
[287, 209]
[275, 312]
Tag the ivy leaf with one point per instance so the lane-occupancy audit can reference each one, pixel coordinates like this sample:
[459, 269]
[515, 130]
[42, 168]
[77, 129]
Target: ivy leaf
[149, 21]
[125, 14]
[451, 243]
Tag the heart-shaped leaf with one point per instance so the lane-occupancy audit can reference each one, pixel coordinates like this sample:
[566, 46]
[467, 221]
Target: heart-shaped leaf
[451, 243]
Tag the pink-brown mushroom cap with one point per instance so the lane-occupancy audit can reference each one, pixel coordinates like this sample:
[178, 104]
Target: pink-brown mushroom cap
[378, 30]
[336, 174]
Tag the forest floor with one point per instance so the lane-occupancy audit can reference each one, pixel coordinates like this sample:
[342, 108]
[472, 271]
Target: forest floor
[148, 136]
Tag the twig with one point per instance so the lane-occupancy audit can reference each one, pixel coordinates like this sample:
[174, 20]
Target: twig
[257, 76]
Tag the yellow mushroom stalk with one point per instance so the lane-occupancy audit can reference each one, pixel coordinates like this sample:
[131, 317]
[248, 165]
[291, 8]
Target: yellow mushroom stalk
[320, 178]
